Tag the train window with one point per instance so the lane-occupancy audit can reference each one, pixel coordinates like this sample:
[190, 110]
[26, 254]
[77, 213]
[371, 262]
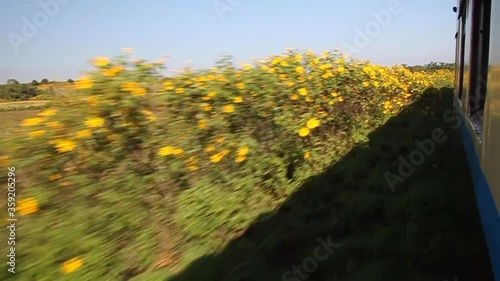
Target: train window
[478, 90]
[461, 48]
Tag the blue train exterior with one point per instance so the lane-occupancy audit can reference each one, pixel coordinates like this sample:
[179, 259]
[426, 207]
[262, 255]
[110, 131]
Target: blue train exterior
[477, 105]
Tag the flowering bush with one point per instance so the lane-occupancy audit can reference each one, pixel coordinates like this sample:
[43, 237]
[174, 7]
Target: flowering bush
[135, 172]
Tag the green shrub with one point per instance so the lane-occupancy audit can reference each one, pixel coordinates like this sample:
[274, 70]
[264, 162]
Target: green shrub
[145, 173]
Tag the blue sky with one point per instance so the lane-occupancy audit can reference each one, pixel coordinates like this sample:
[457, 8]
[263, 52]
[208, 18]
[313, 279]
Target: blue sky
[70, 32]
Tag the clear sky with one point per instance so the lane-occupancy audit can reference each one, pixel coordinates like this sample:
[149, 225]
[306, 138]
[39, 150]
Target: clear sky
[55, 38]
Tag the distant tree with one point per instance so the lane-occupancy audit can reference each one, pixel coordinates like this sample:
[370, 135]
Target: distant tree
[35, 83]
[44, 81]
[12, 82]
[71, 81]
[12, 91]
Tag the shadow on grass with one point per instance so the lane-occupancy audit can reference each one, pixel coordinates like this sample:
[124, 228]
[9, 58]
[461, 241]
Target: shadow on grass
[427, 229]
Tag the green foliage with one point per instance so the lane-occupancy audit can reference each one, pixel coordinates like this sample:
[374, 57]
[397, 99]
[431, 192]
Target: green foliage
[433, 66]
[135, 172]
[16, 91]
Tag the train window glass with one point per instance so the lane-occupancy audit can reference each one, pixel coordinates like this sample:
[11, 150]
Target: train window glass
[460, 50]
[461, 46]
[478, 93]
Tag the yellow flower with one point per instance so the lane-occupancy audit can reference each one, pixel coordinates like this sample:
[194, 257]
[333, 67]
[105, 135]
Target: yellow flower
[127, 50]
[71, 265]
[307, 155]
[302, 91]
[94, 122]
[271, 70]
[65, 145]
[31, 122]
[36, 133]
[48, 113]
[202, 124]
[179, 90]
[309, 99]
[243, 150]
[138, 92]
[55, 177]
[335, 94]
[294, 97]
[240, 86]
[83, 134]
[149, 115]
[109, 73]
[168, 86]
[264, 67]
[290, 83]
[224, 152]
[129, 86]
[325, 66]
[284, 63]
[54, 125]
[240, 158]
[238, 100]
[220, 140]
[112, 71]
[304, 132]
[177, 151]
[27, 206]
[93, 100]
[299, 70]
[206, 106]
[341, 99]
[101, 61]
[298, 57]
[166, 150]
[192, 167]
[228, 109]
[209, 148]
[313, 123]
[216, 158]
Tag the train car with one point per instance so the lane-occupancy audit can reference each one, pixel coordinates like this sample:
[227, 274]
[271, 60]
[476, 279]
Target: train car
[477, 107]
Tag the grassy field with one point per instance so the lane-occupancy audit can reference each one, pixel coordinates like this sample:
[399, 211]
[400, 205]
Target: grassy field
[12, 119]
[23, 105]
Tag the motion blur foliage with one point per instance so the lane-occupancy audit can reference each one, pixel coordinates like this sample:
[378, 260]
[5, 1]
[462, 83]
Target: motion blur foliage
[427, 229]
[134, 172]
[433, 66]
